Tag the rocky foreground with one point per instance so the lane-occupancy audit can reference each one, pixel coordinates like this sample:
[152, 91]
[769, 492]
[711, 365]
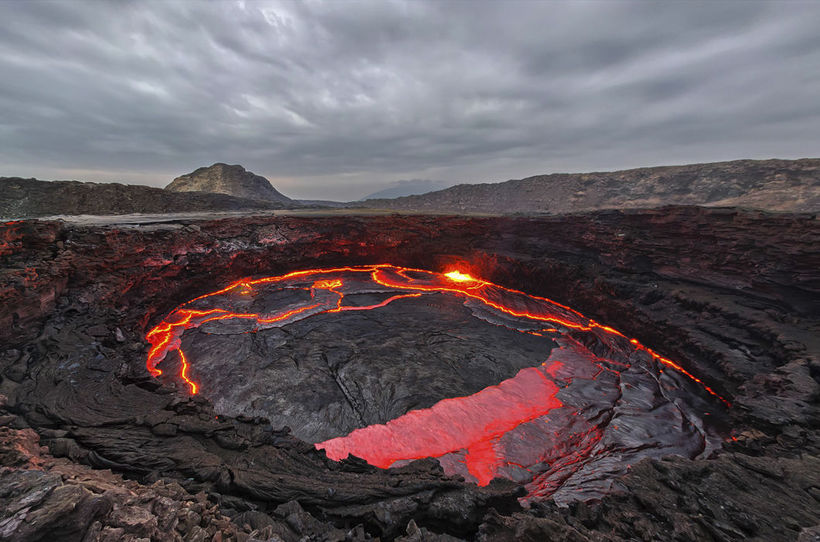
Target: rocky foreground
[92, 447]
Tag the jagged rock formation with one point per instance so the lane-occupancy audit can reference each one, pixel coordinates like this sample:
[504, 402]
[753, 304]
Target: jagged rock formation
[777, 185]
[21, 198]
[731, 294]
[233, 180]
[48, 498]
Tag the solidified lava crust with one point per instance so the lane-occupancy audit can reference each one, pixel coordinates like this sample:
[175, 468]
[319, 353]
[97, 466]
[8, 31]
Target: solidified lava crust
[564, 422]
[94, 447]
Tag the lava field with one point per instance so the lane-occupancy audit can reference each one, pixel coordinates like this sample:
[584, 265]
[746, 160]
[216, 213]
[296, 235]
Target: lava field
[601, 376]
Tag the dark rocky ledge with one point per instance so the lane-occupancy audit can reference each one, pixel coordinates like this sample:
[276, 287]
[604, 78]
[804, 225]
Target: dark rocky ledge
[733, 295]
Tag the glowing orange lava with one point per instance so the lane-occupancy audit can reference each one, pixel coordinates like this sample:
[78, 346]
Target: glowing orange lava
[184, 372]
[458, 276]
[166, 336]
[10, 237]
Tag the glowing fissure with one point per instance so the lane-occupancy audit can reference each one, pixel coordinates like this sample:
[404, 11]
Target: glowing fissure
[474, 430]
[10, 237]
[165, 336]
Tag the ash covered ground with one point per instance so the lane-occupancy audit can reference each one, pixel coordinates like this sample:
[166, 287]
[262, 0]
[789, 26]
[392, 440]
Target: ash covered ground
[95, 447]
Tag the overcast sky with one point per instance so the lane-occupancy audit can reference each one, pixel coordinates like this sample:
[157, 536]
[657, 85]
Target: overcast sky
[337, 99]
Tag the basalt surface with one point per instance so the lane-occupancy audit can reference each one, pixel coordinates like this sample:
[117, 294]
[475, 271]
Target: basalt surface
[731, 296]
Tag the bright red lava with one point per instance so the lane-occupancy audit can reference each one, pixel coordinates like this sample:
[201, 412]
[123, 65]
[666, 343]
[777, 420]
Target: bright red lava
[10, 237]
[429, 432]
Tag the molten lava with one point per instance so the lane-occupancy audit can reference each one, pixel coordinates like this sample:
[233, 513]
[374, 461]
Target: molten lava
[458, 276]
[478, 435]
[498, 409]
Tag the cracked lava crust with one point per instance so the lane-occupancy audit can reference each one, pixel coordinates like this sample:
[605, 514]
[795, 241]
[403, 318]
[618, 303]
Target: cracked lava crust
[392, 364]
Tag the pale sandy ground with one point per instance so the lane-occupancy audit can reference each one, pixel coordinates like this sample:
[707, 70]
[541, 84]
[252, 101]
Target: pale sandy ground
[137, 218]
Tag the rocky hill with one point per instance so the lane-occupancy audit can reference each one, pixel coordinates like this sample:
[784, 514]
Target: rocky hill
[233, 180]
[779, 185]
[31, 198]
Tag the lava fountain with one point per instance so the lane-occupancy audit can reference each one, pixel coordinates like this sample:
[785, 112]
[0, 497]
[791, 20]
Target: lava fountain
[393, 364]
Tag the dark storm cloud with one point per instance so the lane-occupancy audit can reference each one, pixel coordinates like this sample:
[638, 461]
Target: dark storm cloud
[329, 96]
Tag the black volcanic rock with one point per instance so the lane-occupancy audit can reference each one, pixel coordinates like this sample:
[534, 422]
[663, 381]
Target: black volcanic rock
[730, 294]
[233, 180]
[776, 185]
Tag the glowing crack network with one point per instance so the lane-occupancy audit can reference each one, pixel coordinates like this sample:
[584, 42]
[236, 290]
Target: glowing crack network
[478, 435]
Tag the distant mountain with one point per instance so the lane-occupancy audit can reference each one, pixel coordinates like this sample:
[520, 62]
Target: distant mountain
[318, 203]
[21, 198]
[233, 180]
[409, 187]
[780, 185]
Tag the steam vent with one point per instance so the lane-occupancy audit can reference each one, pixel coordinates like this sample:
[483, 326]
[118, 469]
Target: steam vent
[411, 377]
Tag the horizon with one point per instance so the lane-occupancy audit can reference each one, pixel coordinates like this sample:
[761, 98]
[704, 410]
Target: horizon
[397, 183]
[335, 103]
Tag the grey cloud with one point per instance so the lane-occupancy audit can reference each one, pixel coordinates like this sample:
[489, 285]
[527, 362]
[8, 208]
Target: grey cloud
[325, 96]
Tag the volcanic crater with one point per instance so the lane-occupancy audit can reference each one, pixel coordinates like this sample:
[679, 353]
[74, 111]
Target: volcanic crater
[498, 379]
[392, 364]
